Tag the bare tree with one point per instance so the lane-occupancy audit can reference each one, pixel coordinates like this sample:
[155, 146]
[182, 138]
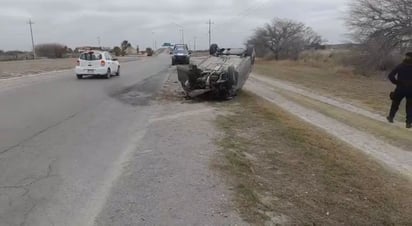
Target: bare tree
[117, 51]
[124, 45]
[284, 38]
[390, 20]
[382, 26]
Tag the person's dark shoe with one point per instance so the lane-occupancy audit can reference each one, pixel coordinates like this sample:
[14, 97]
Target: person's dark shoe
[390, 120]
[408, 125]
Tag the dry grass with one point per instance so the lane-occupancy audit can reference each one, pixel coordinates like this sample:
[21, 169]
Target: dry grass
[285, 171]
[19, 68]
[399, 137]
[329, 79]
[24, 67]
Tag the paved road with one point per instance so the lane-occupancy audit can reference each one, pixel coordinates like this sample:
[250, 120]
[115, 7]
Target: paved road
[62, 141]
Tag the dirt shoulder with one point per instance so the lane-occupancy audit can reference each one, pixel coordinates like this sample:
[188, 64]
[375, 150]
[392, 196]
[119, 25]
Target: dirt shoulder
[337, 81]
[285, 171]
[341, 110]
[10, 69]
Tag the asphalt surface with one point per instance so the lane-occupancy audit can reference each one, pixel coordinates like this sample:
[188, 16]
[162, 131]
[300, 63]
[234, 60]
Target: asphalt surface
[63, 141]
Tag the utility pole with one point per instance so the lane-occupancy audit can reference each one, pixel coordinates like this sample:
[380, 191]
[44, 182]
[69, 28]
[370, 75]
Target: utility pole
[32, 39]
[181, 32]
[194, 43]
[183, 35]
[153, 40]
[210, 31]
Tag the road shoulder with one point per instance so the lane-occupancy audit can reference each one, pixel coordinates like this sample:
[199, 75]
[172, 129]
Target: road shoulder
[168, 180]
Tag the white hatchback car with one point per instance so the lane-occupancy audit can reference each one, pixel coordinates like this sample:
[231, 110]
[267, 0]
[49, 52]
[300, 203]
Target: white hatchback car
[97, 63]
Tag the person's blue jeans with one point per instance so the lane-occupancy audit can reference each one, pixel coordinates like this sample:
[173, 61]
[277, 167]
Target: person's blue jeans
[398, 96]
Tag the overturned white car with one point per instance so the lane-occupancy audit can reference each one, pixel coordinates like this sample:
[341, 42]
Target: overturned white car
[221, 74]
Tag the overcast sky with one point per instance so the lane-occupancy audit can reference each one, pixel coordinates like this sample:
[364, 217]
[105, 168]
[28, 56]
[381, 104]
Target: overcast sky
[81, 22]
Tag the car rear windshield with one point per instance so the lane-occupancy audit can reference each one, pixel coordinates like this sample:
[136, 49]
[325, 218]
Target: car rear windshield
[180, 51]
[90, 56]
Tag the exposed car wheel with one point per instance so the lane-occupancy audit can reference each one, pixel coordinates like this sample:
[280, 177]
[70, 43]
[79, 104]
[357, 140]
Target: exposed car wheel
[118, 71]
[213, 49]
[250, 52]
[79, 76]
[108, 74]
[173, 62]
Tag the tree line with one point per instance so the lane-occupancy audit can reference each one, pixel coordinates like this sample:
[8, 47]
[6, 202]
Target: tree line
[381, 28]
[56, 50]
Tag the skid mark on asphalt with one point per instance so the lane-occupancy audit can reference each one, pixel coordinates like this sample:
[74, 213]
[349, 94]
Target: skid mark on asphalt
[143, 92]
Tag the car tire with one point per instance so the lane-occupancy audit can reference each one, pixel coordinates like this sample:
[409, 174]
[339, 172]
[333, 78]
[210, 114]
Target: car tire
[213, 49]
[79, 76]
[250, 52]
[173, 62]
[108, 74]
[118, 71]
[187, 61]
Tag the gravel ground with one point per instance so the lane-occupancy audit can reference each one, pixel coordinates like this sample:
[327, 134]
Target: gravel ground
[175, 153]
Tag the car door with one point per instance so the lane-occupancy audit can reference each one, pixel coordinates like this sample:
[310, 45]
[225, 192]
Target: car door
[110, 62]
[114, 63]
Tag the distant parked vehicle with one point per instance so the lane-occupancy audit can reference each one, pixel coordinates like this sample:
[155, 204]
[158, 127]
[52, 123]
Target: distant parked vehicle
[98, 63]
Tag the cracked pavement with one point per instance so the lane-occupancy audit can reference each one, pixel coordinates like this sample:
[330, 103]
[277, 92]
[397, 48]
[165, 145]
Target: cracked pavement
[62, 141]
[108, 152]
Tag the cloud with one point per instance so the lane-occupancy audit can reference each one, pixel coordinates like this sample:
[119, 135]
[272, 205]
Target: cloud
[79, 22]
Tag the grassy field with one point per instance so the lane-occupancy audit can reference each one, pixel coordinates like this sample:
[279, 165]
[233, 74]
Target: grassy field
[287, 172]
[332, 80]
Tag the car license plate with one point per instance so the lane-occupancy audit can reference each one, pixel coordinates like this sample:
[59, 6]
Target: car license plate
[90, 70]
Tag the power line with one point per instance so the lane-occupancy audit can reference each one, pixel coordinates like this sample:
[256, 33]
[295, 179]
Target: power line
[32, 39]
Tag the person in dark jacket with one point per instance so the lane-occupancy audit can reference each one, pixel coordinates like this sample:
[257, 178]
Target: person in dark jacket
[401, 76]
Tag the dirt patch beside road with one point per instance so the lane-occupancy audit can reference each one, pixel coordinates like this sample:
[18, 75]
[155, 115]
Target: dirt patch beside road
[368, 92]
[341, 110]
[287, 172]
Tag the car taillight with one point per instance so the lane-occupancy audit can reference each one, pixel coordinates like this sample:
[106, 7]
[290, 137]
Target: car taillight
[102, 63]
[78, 63]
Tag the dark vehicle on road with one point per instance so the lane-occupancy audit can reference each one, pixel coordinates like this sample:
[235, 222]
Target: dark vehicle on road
[221, 74]
[180, 54]
[149, 51]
